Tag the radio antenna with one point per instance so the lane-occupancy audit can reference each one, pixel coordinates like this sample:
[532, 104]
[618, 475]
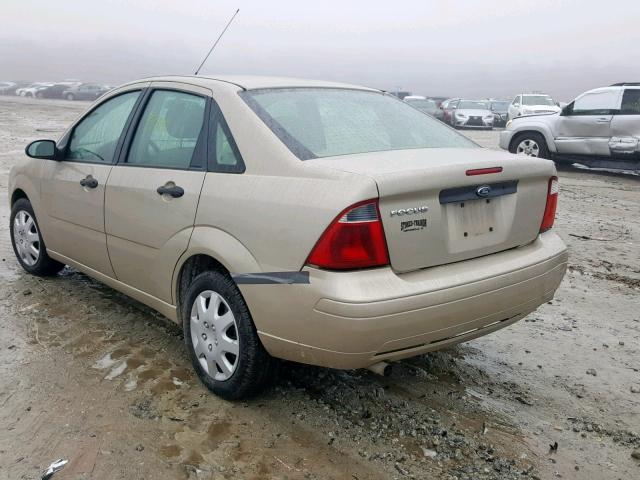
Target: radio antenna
[216, 42]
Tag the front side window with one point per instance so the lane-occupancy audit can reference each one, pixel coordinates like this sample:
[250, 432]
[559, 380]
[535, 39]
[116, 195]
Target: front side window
[630, 102]
[597, 103]
[95, 138]
[325, 122]
[168, 131]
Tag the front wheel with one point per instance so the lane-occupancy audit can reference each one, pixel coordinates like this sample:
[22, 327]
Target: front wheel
[531, 144]
[222, 340]
[27, 241]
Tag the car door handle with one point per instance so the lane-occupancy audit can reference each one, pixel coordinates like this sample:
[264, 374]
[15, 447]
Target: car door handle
[602, 120]
[174, 191]
[89, 182]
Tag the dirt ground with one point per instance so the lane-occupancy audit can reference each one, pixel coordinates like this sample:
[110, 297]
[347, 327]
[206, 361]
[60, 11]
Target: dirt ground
[90, 375]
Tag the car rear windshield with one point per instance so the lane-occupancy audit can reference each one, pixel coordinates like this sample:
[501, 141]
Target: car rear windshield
[325, 122]
[537, 100]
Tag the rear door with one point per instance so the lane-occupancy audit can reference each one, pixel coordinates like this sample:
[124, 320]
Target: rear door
[73, 189]
[584, 127]
[625, 125]
[152, 193]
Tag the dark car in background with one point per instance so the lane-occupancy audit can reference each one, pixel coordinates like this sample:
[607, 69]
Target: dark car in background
[85, 91]
[8, 88]
[52, 91]
[500, 109]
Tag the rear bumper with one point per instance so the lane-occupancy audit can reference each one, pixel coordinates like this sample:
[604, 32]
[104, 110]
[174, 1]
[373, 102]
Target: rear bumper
[356, 319]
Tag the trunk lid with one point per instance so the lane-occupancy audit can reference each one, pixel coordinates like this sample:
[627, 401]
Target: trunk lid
[434, 213]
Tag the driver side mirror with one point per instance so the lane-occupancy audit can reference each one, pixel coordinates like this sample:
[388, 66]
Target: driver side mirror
[567, 110]
[43, 149]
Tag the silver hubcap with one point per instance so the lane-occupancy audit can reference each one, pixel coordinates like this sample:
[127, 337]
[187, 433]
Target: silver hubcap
[214, 335]
[528, 147]
[26, 238]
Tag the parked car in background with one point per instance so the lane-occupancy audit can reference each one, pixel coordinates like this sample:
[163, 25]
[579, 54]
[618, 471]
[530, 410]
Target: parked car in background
[406, 237]
[423, 104]
[500, 109]
[600, 128]
[54, 91]
[7, 88]
[439, 114]
[532, 104]
[448, 107]
[31, 89]
[438, 100]
[85, 91]
[472, 114]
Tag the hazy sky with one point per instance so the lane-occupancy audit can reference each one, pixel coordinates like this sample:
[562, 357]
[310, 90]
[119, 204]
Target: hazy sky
[432, 47]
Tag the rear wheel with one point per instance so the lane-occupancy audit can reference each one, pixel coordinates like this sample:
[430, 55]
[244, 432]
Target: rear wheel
[221, 338]
[531, 144]
[27, 241]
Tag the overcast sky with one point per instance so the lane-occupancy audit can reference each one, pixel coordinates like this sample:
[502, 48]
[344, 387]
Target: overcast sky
[432, 47]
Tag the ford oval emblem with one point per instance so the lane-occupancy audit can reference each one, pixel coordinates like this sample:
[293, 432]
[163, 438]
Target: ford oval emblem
[483, 191]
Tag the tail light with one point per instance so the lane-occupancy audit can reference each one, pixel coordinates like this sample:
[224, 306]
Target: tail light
[355, 239]
[552, 203]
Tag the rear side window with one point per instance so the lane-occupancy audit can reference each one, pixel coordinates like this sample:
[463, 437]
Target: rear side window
[224, 155]
[324, 122]
[95, 138]
[630, 102]
[168, 131]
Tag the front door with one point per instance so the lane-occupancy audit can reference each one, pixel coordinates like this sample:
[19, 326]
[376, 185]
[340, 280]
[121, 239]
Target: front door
[153, 191]
[73, 189]
[584, 126]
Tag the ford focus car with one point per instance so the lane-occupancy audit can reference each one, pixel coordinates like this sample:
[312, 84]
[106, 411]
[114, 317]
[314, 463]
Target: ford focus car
[271, 218]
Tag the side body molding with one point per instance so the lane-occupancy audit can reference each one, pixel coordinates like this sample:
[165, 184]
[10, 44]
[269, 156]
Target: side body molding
[221, 246]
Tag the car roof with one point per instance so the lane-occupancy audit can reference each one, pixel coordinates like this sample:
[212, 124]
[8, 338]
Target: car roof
[251, 82]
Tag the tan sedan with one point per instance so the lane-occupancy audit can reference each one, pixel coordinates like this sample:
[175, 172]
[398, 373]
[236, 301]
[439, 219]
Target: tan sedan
[279, 218]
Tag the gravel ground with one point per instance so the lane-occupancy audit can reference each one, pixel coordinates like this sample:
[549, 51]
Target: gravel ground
[90, 375]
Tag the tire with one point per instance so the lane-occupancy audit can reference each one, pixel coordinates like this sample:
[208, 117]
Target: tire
[25, 235]
[531, 142]
[70, 97]
[227, 374]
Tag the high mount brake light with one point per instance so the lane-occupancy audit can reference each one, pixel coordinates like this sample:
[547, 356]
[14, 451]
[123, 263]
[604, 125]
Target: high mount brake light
[355, 239]
[483, 171]
[552, 202]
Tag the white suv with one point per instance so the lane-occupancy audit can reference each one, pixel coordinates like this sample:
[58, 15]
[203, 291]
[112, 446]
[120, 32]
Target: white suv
[532, 104]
